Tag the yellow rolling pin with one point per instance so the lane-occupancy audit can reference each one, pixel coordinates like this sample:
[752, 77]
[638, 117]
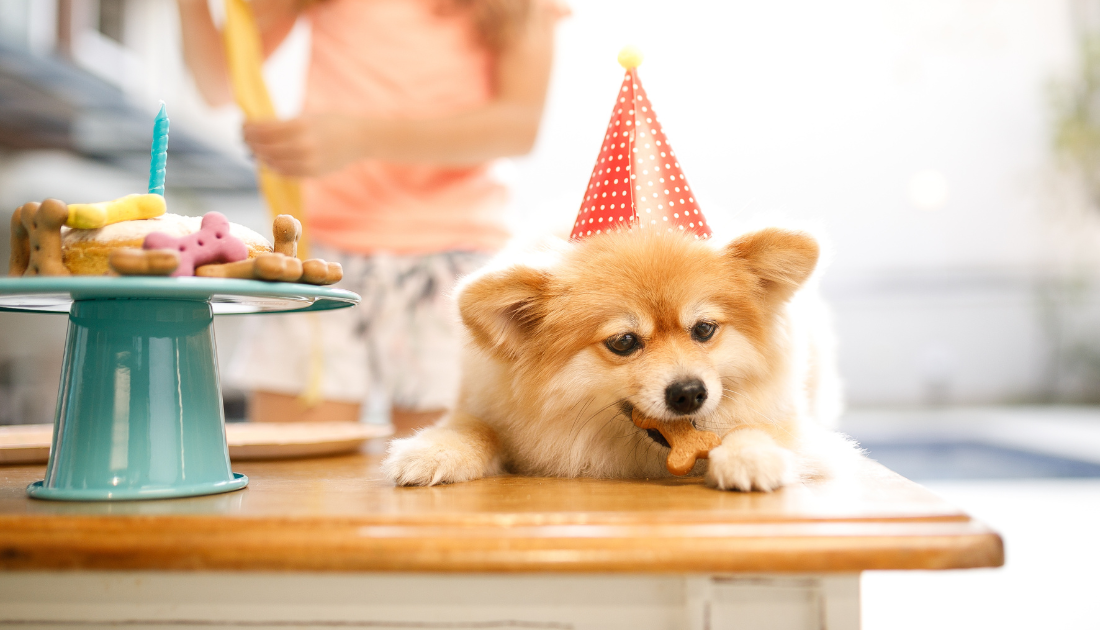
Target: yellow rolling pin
[244, 55]
[92, 216]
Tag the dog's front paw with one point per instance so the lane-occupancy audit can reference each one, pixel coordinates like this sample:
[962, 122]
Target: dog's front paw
[437, 455]
[749, 459]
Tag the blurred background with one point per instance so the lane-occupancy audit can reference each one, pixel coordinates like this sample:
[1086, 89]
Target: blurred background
[948, 150]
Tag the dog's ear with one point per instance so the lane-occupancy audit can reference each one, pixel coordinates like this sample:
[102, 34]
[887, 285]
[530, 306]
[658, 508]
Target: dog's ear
[501, 308]
[781, 259]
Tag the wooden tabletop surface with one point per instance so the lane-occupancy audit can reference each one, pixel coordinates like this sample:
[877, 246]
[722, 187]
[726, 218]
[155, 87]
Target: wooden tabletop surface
[339, 514]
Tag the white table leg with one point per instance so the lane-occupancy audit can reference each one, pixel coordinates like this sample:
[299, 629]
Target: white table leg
[773, 602]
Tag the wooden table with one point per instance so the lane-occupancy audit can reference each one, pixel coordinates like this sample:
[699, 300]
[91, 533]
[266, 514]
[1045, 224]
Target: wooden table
[323, 542]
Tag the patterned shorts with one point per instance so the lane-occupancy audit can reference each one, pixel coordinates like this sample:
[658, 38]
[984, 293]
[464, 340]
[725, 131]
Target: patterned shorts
[403, 339]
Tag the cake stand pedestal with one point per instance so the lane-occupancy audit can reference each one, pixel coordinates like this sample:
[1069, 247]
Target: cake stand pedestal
[139, 409]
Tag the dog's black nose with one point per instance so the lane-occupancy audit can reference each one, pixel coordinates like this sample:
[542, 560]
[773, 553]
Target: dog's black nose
[686, 396]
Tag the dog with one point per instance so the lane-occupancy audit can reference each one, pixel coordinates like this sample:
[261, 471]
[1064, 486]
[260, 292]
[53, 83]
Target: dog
[565, 344]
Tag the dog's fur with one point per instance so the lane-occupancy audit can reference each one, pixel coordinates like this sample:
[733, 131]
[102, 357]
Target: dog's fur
[543, 394]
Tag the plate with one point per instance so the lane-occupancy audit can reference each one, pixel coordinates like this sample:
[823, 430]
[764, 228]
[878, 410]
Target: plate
[25, 443]
[228, 296]
[284, 440]
[30, 443]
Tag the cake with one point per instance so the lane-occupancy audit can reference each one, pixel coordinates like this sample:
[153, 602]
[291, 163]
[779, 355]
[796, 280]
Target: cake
[85, 252]
[134, 236]
[45, 243]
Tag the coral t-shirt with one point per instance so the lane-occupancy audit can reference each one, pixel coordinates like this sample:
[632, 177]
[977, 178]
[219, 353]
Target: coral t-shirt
[400, 59]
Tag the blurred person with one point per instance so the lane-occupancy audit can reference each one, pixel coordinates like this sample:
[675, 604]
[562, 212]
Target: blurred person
[406, 103]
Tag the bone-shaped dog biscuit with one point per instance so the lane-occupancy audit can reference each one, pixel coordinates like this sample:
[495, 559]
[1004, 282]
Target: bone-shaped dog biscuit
[20, 255]
[276, 268]
[91, 216]
[688, 443]
[213, 243]
[317, 271]
[130, 261]
[36, 239]
[286, 230]
[270, 267]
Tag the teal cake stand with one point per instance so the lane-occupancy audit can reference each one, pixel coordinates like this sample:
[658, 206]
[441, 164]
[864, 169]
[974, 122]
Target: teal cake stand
[139, 410]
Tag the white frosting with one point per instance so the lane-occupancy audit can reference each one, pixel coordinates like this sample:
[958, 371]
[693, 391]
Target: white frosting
[171, 224]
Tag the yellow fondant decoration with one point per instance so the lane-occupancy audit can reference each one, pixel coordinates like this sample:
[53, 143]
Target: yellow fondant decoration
[91, 216]
[630, 57]
[244, 55]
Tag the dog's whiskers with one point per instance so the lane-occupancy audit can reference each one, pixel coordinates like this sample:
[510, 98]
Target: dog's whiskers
[726, 394]
[583, 420]
[577, 430]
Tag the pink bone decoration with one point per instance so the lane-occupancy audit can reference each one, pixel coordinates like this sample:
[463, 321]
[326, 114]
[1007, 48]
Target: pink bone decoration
[211, 244]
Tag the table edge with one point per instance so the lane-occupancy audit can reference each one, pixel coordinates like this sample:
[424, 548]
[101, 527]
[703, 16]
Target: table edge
[310, 546]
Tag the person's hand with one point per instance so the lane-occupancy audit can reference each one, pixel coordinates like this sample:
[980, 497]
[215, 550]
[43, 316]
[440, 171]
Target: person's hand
[307, 146]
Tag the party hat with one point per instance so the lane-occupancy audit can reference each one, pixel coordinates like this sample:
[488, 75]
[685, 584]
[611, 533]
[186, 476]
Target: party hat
[637, 181]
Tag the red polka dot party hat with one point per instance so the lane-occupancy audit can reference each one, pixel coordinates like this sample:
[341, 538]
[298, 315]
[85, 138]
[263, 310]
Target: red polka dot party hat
[637, 181]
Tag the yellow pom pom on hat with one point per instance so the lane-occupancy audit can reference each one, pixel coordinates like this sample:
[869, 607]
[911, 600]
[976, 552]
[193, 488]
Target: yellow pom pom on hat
[637, 182]
[630, 57]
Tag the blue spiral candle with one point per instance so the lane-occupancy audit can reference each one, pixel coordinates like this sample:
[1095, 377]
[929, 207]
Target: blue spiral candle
[159, 153]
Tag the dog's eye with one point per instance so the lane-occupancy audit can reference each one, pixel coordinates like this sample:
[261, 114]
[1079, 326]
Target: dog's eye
[624, 344]
[703, 331]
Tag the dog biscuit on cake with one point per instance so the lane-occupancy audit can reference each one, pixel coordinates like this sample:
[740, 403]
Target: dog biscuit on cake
[36, 247]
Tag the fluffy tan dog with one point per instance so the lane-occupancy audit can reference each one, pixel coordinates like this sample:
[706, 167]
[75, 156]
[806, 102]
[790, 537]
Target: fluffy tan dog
[564, 345]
